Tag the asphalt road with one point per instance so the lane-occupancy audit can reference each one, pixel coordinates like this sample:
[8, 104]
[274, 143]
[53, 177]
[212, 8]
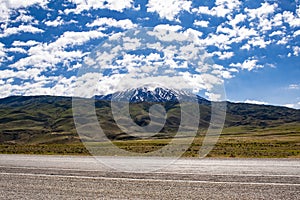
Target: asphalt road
[76, 177]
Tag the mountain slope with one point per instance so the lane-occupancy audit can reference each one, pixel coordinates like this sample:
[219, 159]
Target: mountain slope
[29, 119]
[49, 119]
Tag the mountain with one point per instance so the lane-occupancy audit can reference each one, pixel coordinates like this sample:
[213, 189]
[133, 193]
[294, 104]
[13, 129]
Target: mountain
[152, 94]
[49, 119]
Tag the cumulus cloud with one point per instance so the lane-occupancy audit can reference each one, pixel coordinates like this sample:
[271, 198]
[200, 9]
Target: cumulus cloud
[292, 19]
[237, 19]
[222, 8]
[262, 12]
[71, 38]
[25, 18]
[247, 65]
[8, 6]
[259, 42]
[223, 55]
[2, 52]
[17, 50]
[225, 36]
[296, 33]
[23, 4]
[110, 22]
[82, 5]
[296, 50]
[29, 73]
[201, 23]
[276, 33]
[233, 30]
[21, 29]
[27, 43]
[168, 9]
[57, 22]
[55, 51]
[222, 72]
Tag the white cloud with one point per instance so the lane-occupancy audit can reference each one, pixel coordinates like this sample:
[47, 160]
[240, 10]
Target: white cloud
[244, 33]
[277, 20]
[276, 33]
[222, 8]
[220, 71]
[237, 19]
[201, 23]
[255, 102]
[246, 46]
[72, 38]
[283, 41]
[21, 29]
[30, 73]
[62, 86]
[55, 50]
[296, 50]
[293, 105]
[124, 24]
[24, 4]
[203, 81]
[168, 9]
[264, 18]
[8, 6]
[168, 27]
[57, 22]
[223, 55]
[259, 41]
[294, 87]
[17, 49]
[131, 43]
[2, 53]
[247, 64]
[289, 105]
[168, 33]
[52, 58]
[272, 65]
[23, 17]
[27, 43]
[191, 33]
[261, 12]
[222, 41]
[291, 19]
[5, 90]
[296, 33]
[230, 4]
[213, 97]
[226, 36]
[203, 10]
[82, 5]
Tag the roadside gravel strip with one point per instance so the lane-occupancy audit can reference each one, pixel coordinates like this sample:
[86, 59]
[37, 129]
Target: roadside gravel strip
[40, 178]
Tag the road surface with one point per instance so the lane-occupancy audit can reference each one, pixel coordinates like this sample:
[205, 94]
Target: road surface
[78, 177]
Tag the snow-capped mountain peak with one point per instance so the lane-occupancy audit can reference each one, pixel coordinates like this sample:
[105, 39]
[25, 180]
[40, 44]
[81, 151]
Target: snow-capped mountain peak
[150, 94]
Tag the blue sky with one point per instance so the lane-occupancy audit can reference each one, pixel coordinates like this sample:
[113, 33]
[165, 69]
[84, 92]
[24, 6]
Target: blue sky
[255, 45]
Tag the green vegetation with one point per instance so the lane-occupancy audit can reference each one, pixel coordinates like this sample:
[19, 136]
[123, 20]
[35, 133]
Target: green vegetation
[46, 149]
[44, 125]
